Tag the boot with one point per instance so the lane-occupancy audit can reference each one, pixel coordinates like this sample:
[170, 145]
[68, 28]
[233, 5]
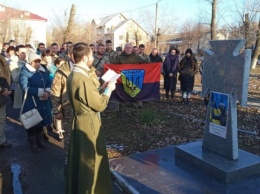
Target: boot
[206, 101]
[45, 134]
[183, 100]
[188, 101]
[172, 94]
[33, 143]
[167, 95]
[40, 141]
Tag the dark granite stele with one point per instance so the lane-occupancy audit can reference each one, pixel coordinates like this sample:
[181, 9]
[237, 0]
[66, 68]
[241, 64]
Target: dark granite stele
[221, 168]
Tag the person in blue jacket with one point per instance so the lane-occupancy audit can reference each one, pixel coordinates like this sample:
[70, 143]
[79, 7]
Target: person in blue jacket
[36, 82]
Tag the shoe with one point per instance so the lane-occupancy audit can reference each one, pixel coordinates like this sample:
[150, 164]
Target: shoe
[40, 141]
[33, 144]
[6, 145]
[45, 134]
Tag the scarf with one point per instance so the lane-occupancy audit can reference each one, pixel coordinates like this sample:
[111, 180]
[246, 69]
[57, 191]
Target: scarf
[170, 58]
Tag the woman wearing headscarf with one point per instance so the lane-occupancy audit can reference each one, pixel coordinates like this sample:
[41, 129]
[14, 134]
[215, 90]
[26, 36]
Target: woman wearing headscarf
[170, 68]
[188, 69]
[36, 82]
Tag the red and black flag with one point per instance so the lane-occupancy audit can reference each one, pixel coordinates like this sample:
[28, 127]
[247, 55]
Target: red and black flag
[138, 82]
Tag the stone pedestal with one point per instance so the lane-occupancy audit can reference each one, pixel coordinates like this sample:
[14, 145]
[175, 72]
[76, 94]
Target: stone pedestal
[223, 169]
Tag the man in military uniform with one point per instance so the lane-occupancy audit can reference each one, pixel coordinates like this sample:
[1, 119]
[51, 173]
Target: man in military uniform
[142, 54]
[65, 53]
[100, 59]
[118, 50]
[110, 52]
[54, 50]
[92, 46]
[60, 102]
[135, 50]
[128, 57]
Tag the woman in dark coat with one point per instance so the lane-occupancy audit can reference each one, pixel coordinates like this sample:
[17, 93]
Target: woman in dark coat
[188, 69]
[170, 68]
[36, 82]
[154, 57]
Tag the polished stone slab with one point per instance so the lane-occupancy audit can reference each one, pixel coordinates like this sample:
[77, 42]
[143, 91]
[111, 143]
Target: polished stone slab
[156, 171]
[224, 169]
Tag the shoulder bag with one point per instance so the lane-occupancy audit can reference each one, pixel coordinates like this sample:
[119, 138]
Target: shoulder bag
[30, 118]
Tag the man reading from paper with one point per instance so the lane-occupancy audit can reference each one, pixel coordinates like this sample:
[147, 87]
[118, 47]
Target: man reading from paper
[88, 168]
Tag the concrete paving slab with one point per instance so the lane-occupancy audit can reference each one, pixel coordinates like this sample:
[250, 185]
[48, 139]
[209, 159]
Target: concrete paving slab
[155, 172]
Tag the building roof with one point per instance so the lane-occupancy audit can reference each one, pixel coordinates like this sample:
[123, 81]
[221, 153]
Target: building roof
[102, 21]
[11, 13]
[125, 21]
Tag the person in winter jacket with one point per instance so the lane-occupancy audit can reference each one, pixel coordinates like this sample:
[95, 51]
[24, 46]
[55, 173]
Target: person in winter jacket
[15, 67]
[34, 80]
[154, 57]
[170, 68]
[4, 92]
[188, 69]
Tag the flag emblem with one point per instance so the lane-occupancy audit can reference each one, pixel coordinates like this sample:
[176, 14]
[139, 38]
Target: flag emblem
[132, 81]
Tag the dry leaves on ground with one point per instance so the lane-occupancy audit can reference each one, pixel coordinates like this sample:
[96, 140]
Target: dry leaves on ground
[129, 130]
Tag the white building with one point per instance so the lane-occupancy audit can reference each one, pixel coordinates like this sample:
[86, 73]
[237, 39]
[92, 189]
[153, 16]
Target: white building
[22, 26]
[119, 30]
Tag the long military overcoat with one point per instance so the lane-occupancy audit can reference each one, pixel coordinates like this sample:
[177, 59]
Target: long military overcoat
[88, 167]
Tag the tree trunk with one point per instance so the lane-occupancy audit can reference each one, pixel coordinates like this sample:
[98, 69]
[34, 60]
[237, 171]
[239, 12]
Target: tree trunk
[256, 50]
[70, 23]
[213, 20]
[247, 26]
[127, 37]
[136, 39]
[28, 35]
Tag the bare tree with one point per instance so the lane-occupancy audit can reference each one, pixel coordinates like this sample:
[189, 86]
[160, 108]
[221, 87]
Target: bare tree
[70, 23]
[28, 35]
[246, 28]
[204, 17]
[167, 21]
[213, 24]
[256, 50]
[127, 37]
[248, 12]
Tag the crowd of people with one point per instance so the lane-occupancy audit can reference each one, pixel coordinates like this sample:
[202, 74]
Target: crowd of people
[57, 81]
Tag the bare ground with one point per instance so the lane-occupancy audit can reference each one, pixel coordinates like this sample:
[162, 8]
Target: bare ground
[159, 124]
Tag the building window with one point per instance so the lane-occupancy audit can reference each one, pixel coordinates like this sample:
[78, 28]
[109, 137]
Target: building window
[121, 37]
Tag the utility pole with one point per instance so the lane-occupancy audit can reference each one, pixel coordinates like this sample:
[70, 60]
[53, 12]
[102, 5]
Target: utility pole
[155, 26]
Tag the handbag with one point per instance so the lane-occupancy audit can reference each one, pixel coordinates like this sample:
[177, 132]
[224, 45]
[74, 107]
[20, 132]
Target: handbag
[31, 117]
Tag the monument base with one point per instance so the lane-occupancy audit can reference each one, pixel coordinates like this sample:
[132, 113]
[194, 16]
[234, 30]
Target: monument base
[226, 170]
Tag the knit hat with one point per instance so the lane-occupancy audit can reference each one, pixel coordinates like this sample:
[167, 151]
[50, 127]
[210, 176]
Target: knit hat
[32, 57]
[118, 48]
[188, 51]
